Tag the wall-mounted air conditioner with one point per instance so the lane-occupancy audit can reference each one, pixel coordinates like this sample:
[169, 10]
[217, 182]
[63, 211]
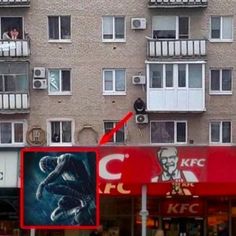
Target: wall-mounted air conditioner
[39, 72]
[138, 23]
[39, 83]
[138, 79]
[141, 119]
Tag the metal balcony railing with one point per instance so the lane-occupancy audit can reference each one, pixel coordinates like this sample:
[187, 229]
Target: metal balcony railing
[14, 3]
[177, 3]
[14, 102]
[14, 48]
[179, 48]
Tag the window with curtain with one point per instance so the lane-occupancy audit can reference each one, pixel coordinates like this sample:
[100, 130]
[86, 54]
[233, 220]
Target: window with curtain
[221, 81]
[59, 81]
[114, 81]
[221, 28]
[113, 28]
[220, 132]
[59, 27]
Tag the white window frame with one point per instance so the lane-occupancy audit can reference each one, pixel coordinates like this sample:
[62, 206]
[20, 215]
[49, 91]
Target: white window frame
[59, 30]
[60, 82]
[220, 138]
[114, 135]
[113, 92]
[13, 143]
[221, 29]
[49, 135]
[220, 91]
[175, 131]
[176, 28]
[113, 33]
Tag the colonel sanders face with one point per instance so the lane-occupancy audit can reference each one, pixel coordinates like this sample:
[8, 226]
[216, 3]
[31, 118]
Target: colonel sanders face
[168, 159]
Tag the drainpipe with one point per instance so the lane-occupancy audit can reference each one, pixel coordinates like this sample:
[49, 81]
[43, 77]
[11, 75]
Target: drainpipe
[144, 213]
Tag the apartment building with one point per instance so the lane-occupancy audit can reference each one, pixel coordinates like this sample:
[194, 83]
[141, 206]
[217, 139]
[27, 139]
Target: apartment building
[76, 68]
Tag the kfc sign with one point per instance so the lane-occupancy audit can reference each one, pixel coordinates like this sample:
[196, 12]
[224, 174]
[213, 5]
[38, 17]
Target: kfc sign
[176, 208]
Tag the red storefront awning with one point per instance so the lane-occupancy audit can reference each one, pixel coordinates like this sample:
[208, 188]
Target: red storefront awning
[201, 170]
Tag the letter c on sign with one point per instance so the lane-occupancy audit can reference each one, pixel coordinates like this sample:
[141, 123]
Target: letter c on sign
[103, 172]
[191, 208]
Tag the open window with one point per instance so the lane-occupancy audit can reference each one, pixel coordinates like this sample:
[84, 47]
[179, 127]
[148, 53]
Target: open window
[10, 23]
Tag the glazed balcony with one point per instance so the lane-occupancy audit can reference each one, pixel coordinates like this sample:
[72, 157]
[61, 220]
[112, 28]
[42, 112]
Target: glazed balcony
[15, 102]
[14, 3]
[176, 48]
[14, 48]
[177, 3]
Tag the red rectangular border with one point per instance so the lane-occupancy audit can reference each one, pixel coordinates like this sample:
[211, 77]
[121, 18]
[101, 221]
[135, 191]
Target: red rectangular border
[56, 149]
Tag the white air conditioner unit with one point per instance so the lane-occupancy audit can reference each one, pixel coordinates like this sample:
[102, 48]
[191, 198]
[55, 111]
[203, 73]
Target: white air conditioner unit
[141, 119]
[39, 83]
[138, 23]
[138, 79]
[39, 72]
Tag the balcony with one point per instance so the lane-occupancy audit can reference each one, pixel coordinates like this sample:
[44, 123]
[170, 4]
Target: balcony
[177, 3]
[176, 48]
[14, 48]
[14, 102]
[14, 3]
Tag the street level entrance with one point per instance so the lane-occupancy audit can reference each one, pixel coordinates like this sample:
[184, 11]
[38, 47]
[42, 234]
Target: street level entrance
[183, 227]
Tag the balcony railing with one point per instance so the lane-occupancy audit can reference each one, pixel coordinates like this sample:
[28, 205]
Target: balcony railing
[14, 3]
[179, 48]
[177, 3]
[14, 48]
[14, 102]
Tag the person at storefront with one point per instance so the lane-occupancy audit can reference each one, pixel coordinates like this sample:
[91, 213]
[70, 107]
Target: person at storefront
[222, 230]
[75, 188]
[168, 159]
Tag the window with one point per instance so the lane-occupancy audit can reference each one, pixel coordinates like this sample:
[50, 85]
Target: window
[169, 132]
[170, 27]
[10, 23]
[222, 28]
[114, 81]
[59, 81]
[119, 136]
[113, 28]
[60, 132]
[11, 133]
[13, 77]
[220, 132]
[176, 75]
[59, 27]
[221, 81]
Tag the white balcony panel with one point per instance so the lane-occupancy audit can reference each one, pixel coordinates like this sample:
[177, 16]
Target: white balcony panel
[176, 48]
[177, 100]
[18, 48]
[14, 101]
[196, 99]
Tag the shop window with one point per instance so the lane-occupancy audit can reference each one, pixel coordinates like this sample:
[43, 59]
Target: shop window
[218, 217]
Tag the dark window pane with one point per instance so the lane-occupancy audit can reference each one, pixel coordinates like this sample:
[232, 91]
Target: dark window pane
[66, 131]
[120, 135]
[1, 83]
[183, 27]
[226, 80]
[162, 132]
[181, 132]
[169, 75]
[5, 133]
[55, 131]
[9, 83]
[226, 132]
[65, 27]
[215, 80]
[18, 132]
[53, 27]
[119, 28]
[164, 34]
[65, 80]
[156, 76]
[215, 132]
[107, 127]
[181, 76]
[215, 27]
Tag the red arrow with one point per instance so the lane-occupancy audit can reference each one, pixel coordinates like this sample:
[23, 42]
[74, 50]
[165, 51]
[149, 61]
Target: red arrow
[107, 136]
